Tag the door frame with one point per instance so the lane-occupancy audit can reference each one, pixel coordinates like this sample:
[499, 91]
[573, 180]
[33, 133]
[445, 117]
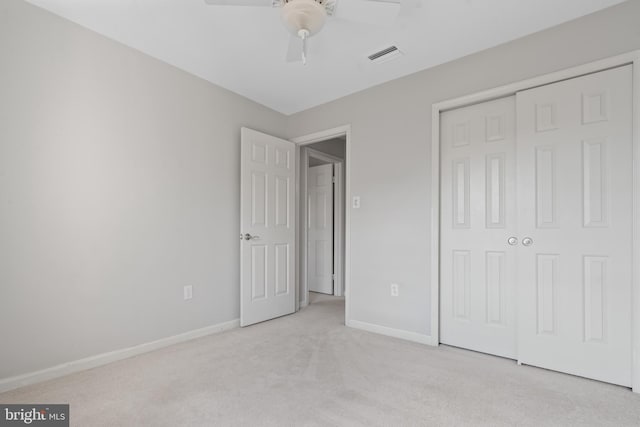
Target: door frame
[301, 141]
[338, 226]
[630, 58]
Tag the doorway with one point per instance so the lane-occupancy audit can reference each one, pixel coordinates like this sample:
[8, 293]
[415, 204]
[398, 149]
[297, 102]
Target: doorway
[322, 213]
[343, 132]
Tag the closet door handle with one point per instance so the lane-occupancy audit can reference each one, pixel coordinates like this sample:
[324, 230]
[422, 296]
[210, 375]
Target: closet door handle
[527, 241]
[512, 241]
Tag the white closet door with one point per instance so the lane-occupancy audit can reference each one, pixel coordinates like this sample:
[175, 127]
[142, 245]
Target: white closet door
[575, 204]
[477, 283]
[320, 233]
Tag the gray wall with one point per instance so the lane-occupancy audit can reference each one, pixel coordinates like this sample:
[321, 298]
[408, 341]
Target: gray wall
[391, 154]
[119, 183]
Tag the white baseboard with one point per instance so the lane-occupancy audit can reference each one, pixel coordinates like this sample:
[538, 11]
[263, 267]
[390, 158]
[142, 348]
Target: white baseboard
[11, 383]
[391, 332]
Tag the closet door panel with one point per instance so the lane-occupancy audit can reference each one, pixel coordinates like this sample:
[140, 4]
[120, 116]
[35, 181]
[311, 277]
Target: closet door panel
[575, 172]
[477, 219]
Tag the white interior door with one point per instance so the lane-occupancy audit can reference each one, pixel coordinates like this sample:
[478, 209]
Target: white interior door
[320, 229]
[267, 227]
[478, 217]
[575, 206]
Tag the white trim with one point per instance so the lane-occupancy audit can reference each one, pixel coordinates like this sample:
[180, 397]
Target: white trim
[338, 229]
[511, 89]
[545, 79]
[296, 267]
[435, 224]
[324, 135]
[338, 223]
[113, 356]
[391, 332]
[303, 263]
[635, 304]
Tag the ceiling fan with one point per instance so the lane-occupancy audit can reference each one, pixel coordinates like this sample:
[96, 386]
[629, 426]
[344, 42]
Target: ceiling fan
[305, 18]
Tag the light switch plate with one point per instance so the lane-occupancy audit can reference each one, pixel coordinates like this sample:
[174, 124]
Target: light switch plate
[356, 202]
[395, 289]
[188, 292]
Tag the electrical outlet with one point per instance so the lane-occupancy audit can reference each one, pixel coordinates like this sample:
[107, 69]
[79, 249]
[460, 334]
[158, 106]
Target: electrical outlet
[356, 202]
[188, 292]
[395, 289]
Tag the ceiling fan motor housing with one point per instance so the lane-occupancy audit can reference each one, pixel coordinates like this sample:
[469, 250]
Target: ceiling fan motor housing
[309, 15]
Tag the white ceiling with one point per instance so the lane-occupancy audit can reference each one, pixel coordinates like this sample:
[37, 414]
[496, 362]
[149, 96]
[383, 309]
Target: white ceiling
[243, 48]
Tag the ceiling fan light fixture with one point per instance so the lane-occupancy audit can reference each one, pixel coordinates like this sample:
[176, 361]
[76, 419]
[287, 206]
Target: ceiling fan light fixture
[307, 15]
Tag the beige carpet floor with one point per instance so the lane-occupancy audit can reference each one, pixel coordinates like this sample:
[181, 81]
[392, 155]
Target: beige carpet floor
[308, 369]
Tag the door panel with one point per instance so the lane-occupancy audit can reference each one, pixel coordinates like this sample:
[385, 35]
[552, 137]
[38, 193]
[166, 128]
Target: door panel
[575, 203]
[320, 231]
[266, 214]
[478, 216]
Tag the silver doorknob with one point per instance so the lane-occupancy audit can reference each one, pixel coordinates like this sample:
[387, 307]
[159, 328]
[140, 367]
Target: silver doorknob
[512, 241]
[250, 237]
[527, 241]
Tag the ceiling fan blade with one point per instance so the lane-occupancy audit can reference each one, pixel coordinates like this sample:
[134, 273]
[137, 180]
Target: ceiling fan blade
[262, 3]
[294, 51]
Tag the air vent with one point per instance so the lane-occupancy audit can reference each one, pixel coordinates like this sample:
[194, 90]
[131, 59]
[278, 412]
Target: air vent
[385, 54]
